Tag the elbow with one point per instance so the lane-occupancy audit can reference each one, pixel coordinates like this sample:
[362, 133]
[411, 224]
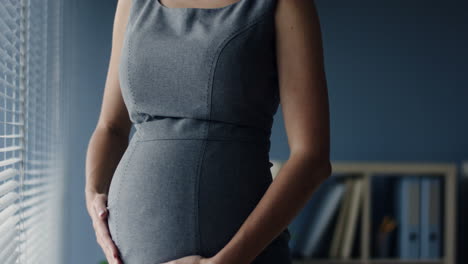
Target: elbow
[112, 129]
[320, 163]
[327, 171]
[322, 167]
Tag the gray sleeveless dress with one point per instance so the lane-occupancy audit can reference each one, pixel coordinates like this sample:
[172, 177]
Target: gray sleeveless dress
[201, 88]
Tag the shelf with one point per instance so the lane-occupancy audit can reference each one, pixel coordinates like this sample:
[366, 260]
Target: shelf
[328, 261]
[369, 170]
[370, 261]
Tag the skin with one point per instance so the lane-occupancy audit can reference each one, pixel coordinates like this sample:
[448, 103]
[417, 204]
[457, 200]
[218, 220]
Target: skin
[304, 103]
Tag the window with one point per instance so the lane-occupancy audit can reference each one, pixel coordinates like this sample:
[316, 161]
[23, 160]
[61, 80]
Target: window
[31, 159]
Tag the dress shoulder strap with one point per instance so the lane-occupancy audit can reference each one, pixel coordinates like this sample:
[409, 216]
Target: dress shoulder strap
[254, 8]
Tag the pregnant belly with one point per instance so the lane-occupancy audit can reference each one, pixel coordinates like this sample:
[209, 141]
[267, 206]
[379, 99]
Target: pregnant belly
[178, 197]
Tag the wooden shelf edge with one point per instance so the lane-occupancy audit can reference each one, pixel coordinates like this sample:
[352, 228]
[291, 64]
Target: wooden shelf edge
[367, 261]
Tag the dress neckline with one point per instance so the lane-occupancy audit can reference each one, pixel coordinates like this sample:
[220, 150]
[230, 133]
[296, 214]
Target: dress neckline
[158, 2]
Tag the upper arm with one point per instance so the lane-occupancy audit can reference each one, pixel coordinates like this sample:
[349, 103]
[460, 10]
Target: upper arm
[114, 114]
[303, 89]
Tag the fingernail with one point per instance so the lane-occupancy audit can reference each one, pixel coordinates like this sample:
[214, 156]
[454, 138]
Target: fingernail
[101, 212]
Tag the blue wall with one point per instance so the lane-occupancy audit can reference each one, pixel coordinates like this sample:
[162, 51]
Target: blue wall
[88, 31]
[397, 79]
[397, 83]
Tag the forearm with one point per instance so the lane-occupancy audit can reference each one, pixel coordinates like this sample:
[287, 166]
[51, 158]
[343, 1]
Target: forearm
[104, 152]
[297, 179]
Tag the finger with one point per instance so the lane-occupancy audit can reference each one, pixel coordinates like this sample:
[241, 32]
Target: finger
[100, 207]
[104, 248]
[106, 237]
[102, 230]
[108, 253]
[118, 261]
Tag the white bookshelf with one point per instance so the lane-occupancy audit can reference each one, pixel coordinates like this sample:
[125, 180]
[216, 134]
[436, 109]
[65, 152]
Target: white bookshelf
[372, 169]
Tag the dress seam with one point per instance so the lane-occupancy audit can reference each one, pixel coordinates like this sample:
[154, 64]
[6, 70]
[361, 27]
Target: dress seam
[206, 139]
[213, 66]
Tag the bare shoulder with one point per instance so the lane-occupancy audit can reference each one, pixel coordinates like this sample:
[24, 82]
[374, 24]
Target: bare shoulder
[121, 15]
[289, 12]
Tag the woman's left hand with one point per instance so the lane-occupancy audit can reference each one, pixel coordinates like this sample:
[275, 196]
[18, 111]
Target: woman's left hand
[194, 259]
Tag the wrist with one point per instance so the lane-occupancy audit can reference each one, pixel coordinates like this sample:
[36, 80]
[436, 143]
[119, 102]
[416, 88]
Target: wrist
[91, 195]
[95, 191]
[221, 259]
[209, 261]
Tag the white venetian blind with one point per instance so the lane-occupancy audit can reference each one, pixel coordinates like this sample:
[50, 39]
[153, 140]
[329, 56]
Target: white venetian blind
[31, 166]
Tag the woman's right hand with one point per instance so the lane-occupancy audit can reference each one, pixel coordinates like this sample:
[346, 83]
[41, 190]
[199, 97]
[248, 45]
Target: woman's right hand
[97, 208]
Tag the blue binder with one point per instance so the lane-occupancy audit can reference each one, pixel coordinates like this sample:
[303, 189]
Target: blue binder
[430, 217]
[303, 224]
[408, 217]
[327, 207]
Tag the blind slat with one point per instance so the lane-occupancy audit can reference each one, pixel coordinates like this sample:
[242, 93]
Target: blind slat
[12, 258]
[8, 173]
[12, 136]
[8, 225]
[33, 201]
[34, 210]
[10, 148]
[8, 212]
[36, 191]
[8, 199]
[38, 172]
[8, 186]
[36, 180]
[10, 249]
[7, 237]
[10, 161]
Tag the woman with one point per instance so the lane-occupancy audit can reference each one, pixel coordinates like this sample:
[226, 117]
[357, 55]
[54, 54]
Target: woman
[200, 81]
